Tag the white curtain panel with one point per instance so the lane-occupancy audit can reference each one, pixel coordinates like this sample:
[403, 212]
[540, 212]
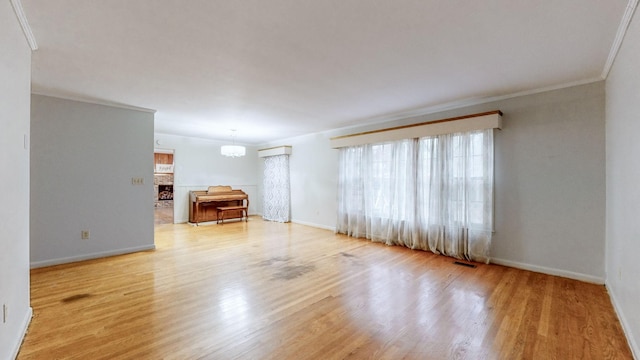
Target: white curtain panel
[277, 190]
[433, 193]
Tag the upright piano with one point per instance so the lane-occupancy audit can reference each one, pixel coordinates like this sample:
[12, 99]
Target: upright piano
[204, 204]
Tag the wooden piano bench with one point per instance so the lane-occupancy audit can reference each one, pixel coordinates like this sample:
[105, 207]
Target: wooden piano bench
[223, 209]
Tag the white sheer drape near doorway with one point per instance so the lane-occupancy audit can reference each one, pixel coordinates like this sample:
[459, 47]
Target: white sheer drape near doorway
[434, 193]
[276, 189]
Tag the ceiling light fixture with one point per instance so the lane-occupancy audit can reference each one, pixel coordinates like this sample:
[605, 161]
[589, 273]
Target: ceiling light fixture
[233, 150]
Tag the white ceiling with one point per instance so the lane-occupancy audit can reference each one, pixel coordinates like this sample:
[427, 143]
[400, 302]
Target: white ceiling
[273, 69]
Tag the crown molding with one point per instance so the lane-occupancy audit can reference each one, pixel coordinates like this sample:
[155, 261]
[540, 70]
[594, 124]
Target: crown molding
[425, 111]
[95, 102]
[453, 105]
[622, 31]
[160, 135]
[430, 110]
[24, 24]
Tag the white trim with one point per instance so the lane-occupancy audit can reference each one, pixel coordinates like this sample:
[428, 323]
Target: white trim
[635, 350]
[39, 264]
[163, 151]
[454, 105]
[25, 326]
[95, 102]
[274, 151]
[622, 31]
[550, 271]
[24, 24]
[319, 226]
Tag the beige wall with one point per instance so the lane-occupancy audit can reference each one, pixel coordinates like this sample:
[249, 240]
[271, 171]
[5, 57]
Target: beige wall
[550, 180]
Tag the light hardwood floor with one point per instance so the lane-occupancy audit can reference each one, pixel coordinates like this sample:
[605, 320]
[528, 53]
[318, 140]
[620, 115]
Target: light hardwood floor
[262, 290]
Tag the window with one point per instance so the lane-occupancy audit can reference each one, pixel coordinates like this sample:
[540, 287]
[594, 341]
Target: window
[421, 193]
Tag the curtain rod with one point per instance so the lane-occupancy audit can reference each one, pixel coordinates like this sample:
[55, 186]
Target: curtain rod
[420, 124]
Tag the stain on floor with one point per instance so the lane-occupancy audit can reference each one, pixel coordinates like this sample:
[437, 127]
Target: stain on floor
[293, 271]
[75, 298]
[351, 259]
[284, 267]
[274, 260]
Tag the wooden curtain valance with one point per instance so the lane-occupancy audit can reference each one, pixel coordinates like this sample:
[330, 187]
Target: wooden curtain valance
[486, 120]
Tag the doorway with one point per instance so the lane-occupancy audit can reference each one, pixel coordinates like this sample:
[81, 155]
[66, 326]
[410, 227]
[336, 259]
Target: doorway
[163, 166]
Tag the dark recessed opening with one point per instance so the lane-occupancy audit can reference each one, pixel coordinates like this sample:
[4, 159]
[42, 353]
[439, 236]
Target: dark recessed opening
[464, 264]
[165, 192]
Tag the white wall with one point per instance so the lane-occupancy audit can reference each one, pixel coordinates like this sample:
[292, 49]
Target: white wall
[15, 86]
[83, 157]
[550, 180]
[313, 168]
[623, 184]
[198, 165]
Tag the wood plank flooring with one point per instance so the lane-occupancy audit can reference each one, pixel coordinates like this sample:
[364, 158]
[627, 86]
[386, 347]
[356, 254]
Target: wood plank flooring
[263, 290]
[163, 215]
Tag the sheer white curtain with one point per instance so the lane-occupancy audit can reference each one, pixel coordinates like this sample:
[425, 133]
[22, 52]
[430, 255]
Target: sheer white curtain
[374, 186]
[276, 189]
[433, 193]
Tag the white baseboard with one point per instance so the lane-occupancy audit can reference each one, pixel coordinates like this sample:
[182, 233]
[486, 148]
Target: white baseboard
[43, 263]
[332, 228]
[549, 271]
[635, 350]
[23, 331]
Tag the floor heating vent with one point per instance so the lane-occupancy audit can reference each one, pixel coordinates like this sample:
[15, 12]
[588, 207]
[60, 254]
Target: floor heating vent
[464, 264]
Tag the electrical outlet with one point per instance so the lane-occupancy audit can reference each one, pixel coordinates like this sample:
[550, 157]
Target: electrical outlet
[137, 181]
[84, 234]
[5, 313]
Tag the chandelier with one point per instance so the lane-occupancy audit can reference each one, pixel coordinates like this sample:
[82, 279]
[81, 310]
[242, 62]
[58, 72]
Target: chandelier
[233, 150]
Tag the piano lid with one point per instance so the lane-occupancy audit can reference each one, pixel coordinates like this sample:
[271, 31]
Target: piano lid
[219, 189]
[218, 193]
